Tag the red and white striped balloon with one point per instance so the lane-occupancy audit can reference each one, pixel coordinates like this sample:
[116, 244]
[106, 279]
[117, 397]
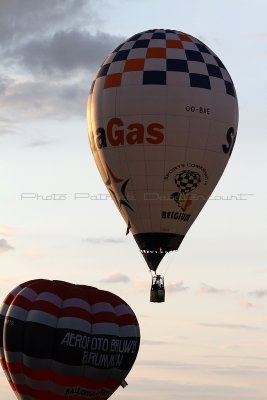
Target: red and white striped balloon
[59, 340]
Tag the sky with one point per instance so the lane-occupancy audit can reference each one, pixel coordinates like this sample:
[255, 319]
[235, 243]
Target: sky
[208, 340]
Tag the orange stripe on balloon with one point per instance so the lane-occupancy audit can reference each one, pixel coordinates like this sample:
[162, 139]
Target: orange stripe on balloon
[112, 80]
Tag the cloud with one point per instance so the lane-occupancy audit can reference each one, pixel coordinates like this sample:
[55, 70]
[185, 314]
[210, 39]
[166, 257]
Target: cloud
[146, 387]
[227, 347]
[234, 356]
[45, 90]
[207, 289]
[50, 53]
[5, 82]
[6, 230]
[176, 287]
[41, 98]
[103, 240]
[247, 304]
[34, 252]
[5, 246]
[65, 52]
[228, 326]
[260, 293]
[116, 278]
[245, 370]
[20, 21]
[167, 363]
[155, 342]
[180, 337]
[7, 128]
[39, 142]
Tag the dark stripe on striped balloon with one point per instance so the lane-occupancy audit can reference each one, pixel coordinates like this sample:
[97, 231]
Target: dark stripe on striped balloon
[71, 346]
[72, 393]
[39, 364]
[63, 380]
[2, 319]
[66, 290]
[76, 312]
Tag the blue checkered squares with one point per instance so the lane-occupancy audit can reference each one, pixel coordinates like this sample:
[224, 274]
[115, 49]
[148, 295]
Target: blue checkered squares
[165, 56]
[154, 78]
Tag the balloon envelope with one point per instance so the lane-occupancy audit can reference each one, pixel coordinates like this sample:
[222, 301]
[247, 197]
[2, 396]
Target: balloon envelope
[162, 120]
[59, 340]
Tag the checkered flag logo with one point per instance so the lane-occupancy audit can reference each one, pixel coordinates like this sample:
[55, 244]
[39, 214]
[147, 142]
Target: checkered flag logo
[187, 181]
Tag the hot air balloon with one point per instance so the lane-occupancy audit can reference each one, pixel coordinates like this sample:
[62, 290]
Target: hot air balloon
[162, 119]
[59, 340]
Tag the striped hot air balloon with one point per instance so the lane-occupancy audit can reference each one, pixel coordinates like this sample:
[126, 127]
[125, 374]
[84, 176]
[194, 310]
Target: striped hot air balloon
[64, 341]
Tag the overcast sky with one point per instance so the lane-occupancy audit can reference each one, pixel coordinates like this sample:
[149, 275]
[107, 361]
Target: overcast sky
[209, 340]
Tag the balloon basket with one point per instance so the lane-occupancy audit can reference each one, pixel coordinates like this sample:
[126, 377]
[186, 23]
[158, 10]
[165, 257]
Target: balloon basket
[157, 291]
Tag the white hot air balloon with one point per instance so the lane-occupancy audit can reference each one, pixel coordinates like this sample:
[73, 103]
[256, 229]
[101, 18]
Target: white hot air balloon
[162, 121]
